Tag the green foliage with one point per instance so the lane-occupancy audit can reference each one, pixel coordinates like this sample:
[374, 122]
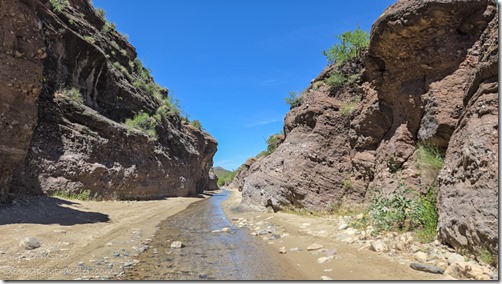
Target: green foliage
[273, 142]
[395, 211]
[317, 85]
[390, 212]
[226, 178]
[195, 123]
[59, 5]
[430, 161]
[83, 195]
[346, 108]
[425, 216]
[350, 46]
[295, 99]
[74, 94]
[143, 122]
[336, 80]
[89, 39]
[101, 13]
[347, 184]
[108, 27]
[484, 255]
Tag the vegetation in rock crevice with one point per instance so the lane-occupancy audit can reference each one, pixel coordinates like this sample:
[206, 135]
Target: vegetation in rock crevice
[143, 122]
[351, 45]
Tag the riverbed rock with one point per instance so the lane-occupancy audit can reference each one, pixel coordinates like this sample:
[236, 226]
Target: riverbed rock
[324, 259]
[226, 230]
[426, 268]
[282, 250]
[378, 246]
[454, 258]
[466, 270]
[29, 243]
[343, 227]
[314, 247]
[177, 244]
[420, 257]
[326, 278]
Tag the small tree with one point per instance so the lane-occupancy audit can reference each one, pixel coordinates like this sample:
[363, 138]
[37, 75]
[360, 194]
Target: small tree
[350, 46]
[294, 99]
[195, 123]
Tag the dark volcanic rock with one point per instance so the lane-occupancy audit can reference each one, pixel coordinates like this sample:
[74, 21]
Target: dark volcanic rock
[84, 145]
[429, 76]
[21, 59]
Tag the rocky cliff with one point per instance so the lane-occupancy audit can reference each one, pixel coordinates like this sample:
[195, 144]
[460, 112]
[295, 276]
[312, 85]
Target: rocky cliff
[429, 77]
[68, 84]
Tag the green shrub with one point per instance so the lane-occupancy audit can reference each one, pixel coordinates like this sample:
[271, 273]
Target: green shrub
[425, 216]
[346, 108]
[295, 99]
[143, 122]
[350, 46]
[59, 5]
[430, 161]
[195, 123]
[347, 184]
[226, 178]
[336, 81]
[101, 13]
[484, 255]
[108, 27]
[89, 39]
[317, 85]
[391, 212]
[82, 195]
[72, 93]
[273, 142]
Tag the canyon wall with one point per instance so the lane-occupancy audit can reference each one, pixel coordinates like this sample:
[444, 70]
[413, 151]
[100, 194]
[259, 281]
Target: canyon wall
[68, 83]
[429, 77]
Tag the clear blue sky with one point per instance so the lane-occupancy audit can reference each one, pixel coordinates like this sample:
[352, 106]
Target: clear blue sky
[232, 63]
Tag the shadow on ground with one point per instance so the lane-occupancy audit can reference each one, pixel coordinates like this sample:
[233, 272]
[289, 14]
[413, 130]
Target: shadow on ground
[47, 210]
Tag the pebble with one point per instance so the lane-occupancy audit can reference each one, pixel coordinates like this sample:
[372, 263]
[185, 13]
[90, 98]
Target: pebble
[314, 247]
[177, 244]
[282, 250]
[274, 237]
[295, 249]
[216, 231]
[324, 259]
[343, 226]
[326, 278]
[328, 270]
[225, 230]
[426, 268]
[128, 264]
[29, 243]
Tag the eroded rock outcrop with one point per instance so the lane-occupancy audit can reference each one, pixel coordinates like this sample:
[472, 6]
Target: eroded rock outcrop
[87, 82]
[429, 77]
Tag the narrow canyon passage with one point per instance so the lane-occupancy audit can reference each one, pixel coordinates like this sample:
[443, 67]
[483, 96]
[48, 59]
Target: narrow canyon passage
[233, 255]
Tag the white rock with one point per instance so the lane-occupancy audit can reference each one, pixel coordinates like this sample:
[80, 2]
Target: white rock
[29, 243]
[324, 259]
[326, 278]
[282, 250]
[454, 258]
[314, 247]
[378, 246]
[343, 226]
[226, 230]
[177, 244]
[420, 257]
[216, 231]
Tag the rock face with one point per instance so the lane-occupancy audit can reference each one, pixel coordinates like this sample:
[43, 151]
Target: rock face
[429, 76]
[21, 56]
[87, 82]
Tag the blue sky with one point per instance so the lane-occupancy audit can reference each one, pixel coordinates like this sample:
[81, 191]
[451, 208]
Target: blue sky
[232, 63]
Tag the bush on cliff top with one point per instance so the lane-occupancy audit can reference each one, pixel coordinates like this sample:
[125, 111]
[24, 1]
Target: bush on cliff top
[350, 46]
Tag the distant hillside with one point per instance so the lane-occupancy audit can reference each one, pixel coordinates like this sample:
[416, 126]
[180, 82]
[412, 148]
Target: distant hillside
[225, 177]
